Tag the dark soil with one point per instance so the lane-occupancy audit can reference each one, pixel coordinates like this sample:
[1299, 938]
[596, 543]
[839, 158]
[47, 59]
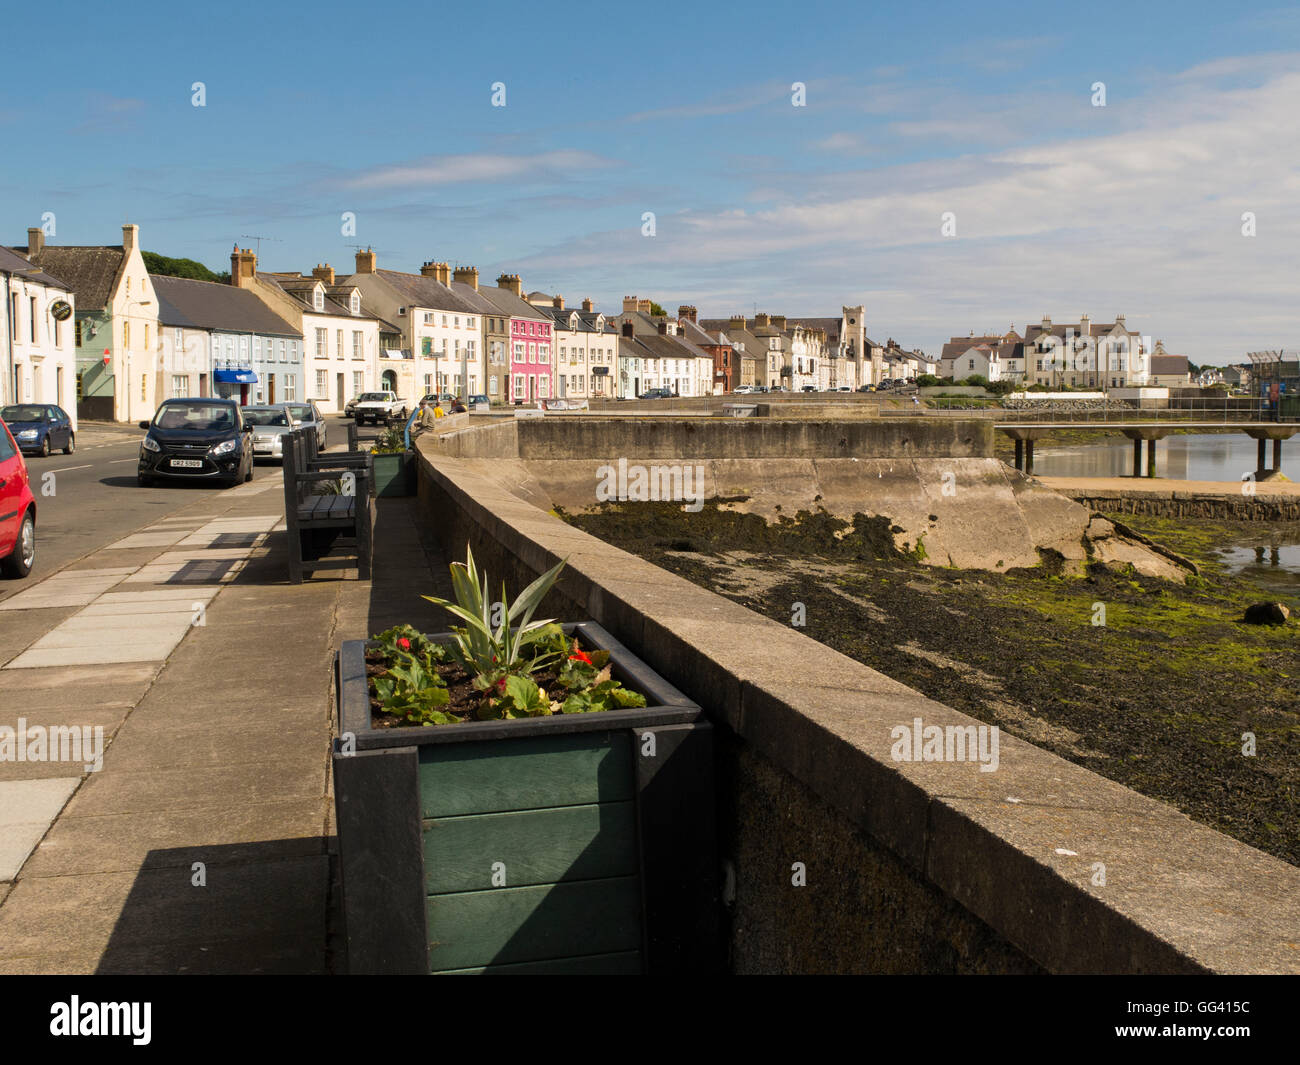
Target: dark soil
[1156, 698]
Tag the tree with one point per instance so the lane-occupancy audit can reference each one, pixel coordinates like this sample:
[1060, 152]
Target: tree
[166, 266]
[657, 311]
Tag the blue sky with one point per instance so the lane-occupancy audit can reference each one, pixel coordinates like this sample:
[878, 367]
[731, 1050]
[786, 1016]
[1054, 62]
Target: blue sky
[685, 110]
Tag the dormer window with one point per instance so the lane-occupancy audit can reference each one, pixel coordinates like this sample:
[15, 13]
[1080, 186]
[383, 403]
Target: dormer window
[355, 303]
[318, 299]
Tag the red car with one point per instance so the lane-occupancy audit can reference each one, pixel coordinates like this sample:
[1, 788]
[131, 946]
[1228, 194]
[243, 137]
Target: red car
[17, 510]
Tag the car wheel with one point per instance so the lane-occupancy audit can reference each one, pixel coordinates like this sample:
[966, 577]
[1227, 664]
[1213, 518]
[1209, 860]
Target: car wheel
[249, 475]
[72, 444]
[23, 556]
[45, 446]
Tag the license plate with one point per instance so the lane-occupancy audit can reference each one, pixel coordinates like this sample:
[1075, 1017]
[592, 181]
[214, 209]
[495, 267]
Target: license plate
[188, 464]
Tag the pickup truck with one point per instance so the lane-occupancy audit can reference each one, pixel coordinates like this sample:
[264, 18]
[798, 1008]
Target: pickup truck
[376, 407]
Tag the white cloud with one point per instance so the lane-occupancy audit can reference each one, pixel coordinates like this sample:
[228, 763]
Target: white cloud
[482, 167]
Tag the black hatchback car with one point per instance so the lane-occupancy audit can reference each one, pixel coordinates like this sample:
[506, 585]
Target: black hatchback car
[197, 440]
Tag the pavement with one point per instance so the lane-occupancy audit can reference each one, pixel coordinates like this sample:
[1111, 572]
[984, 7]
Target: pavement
[202, 840]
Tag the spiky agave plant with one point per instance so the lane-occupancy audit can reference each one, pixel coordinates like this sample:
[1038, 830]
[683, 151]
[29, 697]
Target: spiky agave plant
[493, 653]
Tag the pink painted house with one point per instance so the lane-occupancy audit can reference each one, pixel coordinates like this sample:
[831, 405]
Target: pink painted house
[532, 343]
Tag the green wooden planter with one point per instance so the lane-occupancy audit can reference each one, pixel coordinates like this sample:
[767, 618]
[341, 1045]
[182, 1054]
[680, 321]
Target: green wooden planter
[580, 843]
[394, 474]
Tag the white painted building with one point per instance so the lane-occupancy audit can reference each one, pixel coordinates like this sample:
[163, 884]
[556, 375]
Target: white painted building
[38, 352]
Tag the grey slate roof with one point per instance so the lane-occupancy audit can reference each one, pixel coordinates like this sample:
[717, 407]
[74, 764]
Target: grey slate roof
[1165, 365]
[13, 263]
[90, 272]
[212, 305]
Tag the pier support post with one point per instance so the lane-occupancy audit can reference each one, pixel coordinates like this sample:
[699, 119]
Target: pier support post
[1151, 457]
[1137, 457]
[1259, 462]
[1020, 454]
[1029, 457]
[1277, 454]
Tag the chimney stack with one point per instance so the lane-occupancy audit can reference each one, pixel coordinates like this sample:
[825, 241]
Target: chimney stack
[761, 320]
[511, 283]
[366, 262]
[627, 329]
[737, 321]
[643, 306]
[243, 266]
[324, 273]
[130, 237]
[778, 322]
[429, 270]
[629, 304]
[467, 275]
[588, 306]
[558, 303]
[440, 272]
[689, 313]
[35, 241]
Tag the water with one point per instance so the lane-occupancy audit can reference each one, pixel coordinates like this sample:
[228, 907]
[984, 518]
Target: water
[1199, 457]
[1269, 557]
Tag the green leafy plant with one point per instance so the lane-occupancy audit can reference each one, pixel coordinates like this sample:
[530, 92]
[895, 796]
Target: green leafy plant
[390, 442]
[517, 645]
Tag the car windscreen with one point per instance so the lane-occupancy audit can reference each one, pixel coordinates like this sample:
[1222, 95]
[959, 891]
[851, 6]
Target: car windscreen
[206, 417]
[374, 397]
[23, 412]
[303, 414]
[266, 417]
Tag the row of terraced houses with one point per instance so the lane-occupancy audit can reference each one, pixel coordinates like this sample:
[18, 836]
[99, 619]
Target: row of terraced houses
[89, 328]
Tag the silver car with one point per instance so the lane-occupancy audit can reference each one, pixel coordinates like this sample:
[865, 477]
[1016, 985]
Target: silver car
[309, 415]
[270, 423]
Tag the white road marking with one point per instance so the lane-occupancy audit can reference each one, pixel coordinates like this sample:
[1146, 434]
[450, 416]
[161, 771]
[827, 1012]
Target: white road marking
[68, 469]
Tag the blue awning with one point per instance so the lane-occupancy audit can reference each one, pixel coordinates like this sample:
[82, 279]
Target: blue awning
[236, 377]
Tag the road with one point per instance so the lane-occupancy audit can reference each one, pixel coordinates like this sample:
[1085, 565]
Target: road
[89, 499]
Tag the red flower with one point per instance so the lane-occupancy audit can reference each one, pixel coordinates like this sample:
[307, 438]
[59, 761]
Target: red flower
[501, 684]
[404, 643]
[578, 656]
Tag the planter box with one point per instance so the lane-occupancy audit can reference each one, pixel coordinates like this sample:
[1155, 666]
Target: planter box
[394, 474]
[578, 843]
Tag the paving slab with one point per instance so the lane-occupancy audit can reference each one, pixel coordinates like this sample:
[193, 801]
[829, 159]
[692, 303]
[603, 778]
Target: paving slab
[27, 809]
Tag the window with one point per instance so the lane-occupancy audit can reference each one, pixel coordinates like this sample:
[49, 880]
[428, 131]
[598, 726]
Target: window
[144, 388]
[358, 347]
[355, 303]
[279, 350]
[290, 387]
[32, 300]
[428, 318]
[470, 323]
[357, 383]
[492, 385]
[322, 385]
[146, 336]
[543, 386]
[318, 300]
[428, 383]
[543, 352]
[519, 386]
[338, 343]
[456, 321]
[78, 336]
[444, 321]
[322, 344]
[180, 386]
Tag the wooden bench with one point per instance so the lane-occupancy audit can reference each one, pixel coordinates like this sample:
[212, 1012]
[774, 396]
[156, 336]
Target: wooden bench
[313, 516]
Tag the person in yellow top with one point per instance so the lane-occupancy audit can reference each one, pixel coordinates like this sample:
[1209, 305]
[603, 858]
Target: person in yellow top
[438, 412]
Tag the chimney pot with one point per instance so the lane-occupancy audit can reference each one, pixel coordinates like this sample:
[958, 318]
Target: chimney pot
[588, 306]
[366, 262]
[558, 303]
[130, 236]
[35, 241]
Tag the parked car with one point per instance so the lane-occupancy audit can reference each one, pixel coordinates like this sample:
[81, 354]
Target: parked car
[17, 510]
[197, 440]
[844, 388]
[480, 403]
[656, 393]
[743, 390]
[808, 388]
[39, 428]
[350, 407]
[271, 423]
[866, 388]
[376, 407]
[308, 414]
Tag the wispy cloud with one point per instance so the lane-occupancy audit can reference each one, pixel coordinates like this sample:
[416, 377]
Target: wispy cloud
[481, 167]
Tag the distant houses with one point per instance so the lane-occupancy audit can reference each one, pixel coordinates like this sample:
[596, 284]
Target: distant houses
[38, 350]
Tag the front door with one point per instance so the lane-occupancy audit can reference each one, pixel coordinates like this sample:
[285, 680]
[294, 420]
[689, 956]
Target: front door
[342, 402]
[270, 388]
